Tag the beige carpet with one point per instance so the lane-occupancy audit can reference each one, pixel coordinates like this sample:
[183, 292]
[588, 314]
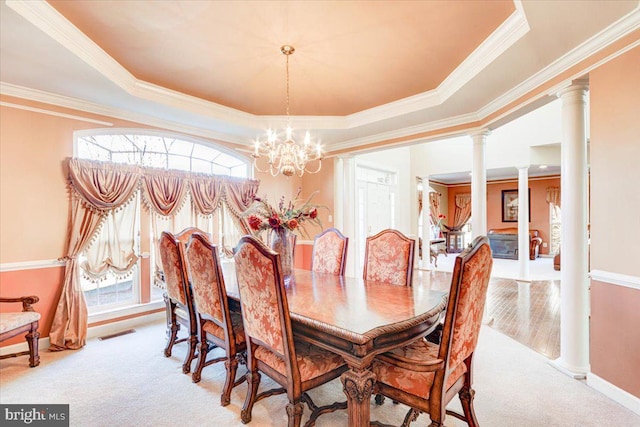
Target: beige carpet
[126, 381]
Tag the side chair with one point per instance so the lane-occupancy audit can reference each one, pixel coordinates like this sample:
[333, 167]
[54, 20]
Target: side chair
[388, 257]
[426, 376]
[178, 298]
[216, 323]
[16, 323]
[296, 367]
[329, 252]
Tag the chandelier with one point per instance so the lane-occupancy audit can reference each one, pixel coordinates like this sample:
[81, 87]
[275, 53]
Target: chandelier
[287, 157]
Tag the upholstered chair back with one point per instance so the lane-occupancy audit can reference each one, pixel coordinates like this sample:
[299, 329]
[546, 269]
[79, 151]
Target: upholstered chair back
[388, 258]
[329, 252]
[465, 308]
[207, 282]
[175, 272]
[262, 295]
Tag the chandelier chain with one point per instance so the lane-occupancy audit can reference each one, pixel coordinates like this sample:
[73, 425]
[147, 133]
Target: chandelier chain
[287, 83]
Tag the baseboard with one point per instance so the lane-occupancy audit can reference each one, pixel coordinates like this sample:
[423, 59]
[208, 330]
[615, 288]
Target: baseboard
[119, 326]
[92, 332]
[614, 393]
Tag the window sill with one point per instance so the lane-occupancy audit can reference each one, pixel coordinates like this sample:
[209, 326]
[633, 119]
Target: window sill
[124, 311]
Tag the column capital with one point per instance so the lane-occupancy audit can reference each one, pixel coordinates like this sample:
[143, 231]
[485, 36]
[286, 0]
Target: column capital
[482, 133]
[578, 85]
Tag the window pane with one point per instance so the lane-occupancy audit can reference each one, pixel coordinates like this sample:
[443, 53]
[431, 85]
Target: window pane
[154, 144]
[219, 170]
[204, 152]
[155, 160]
[179, 162]
[200, 166]
[178, 147]
[227, 160]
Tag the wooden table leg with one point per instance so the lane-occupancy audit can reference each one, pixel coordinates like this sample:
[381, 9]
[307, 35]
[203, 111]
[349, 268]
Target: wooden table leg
[358, 386]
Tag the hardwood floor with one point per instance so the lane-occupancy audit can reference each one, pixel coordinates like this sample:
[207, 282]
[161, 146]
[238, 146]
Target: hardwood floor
[527, 312]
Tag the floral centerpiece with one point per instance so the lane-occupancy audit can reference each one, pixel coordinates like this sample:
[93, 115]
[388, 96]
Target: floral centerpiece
[281, 220]
[438, 226]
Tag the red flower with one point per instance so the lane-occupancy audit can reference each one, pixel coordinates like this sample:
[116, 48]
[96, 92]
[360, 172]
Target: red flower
[274, 221]
[313, 213]
[293, 224]
[254, 222]
[441, 216]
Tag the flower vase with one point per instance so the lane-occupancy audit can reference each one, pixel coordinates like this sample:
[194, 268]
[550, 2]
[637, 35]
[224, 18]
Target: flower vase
[280, 242]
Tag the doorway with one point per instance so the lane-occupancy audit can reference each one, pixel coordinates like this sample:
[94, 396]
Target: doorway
[376, 195]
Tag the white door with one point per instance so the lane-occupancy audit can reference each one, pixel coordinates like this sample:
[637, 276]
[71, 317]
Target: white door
[376, 194]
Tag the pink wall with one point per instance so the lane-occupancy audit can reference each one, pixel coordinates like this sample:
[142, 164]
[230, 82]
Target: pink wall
[45, 283]
[615, 222]
[615, 337]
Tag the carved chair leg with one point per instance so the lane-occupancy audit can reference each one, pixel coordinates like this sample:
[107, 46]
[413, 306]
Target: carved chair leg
[411, 416]
[232, 367]
[253, 381]
[294, 412]
[379, 399]
[466, 398]
[32, 341]
[172, 326]
[203, 349]
[191, 354]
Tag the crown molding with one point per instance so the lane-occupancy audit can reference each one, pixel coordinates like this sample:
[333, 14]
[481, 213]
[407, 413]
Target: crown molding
[54, 24]
[116, 113]
[617, 30]
[54, 113]
[408, 131]
[509, 32]
[47, 19]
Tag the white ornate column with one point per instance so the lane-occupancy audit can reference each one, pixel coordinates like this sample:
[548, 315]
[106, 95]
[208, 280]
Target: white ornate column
[479, 184]
[345, 221]
[523, 223]
[574, 284]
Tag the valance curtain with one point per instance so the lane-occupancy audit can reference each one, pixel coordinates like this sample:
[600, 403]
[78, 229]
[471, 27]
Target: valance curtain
[100, 190]
[553, 196]
[462, 212]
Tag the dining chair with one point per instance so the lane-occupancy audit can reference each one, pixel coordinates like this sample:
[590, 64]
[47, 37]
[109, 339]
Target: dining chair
[388, 257]
[178, 298]
[216, 323]
[329, 252]
[426, 376]
[296, 367]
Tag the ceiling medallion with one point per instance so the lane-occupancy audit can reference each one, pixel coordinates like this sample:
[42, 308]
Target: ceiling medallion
[287, 157]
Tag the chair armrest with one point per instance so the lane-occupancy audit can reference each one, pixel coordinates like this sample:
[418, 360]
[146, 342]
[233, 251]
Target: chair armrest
[411, 364]
[536, 241]
[26, 301]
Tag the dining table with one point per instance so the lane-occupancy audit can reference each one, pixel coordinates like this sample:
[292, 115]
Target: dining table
[357, 319]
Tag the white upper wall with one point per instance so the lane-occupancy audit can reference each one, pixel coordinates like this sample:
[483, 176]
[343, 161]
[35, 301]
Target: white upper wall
[516, 143]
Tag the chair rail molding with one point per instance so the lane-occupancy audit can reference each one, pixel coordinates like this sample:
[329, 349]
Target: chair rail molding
[615, 278]
[30, 265]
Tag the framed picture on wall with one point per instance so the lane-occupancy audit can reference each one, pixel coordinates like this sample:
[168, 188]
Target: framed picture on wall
[510, 205]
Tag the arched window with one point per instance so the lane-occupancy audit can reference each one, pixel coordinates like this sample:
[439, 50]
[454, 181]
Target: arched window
[159, 150]
[106, 288]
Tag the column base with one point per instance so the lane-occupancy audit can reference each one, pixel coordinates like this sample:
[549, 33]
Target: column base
[571, 371]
